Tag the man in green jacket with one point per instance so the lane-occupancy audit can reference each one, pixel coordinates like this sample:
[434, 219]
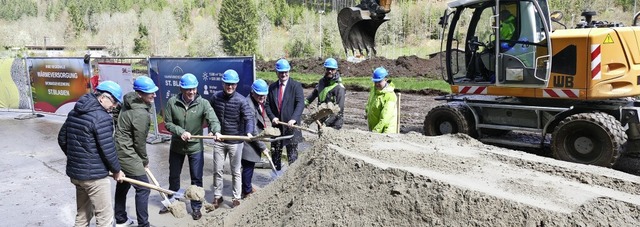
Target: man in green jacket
[382, 115]
[131, 144]
[183, 117]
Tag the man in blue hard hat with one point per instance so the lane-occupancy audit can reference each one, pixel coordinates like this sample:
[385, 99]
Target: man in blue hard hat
[381, 110]
[236, 119]
[252, 151]
[285, 103]
[330, 90]
[131, 143]
[184, 115]
[86, 138]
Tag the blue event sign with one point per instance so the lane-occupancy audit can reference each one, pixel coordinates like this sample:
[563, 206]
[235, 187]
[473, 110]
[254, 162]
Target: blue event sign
[166, 73]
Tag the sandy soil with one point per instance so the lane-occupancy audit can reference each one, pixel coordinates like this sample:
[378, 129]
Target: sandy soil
[352, 177]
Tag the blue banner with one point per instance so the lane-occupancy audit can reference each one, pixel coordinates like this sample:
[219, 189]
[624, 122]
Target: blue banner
[166, 73]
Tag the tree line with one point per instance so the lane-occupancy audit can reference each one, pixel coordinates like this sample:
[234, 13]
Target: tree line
[266, 28]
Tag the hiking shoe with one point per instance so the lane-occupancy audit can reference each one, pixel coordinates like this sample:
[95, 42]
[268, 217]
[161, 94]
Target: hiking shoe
[236, 202]
[164, 210]
[129, 222]
[196, 215]
[217, 202]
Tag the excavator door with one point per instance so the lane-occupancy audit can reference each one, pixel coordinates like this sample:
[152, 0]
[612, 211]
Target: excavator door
[358, 25]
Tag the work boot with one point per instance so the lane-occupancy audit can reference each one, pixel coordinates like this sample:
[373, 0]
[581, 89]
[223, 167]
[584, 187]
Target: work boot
[217, 202]
[196, 215]
[236, 202]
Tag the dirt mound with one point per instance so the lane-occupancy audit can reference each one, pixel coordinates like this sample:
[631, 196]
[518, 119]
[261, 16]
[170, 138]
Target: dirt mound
[352, 177]
[408, 66]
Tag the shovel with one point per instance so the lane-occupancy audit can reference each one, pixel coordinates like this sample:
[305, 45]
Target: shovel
[228, 137]
[176, 195]
[298, 127]
[276, 174]
[165, 200]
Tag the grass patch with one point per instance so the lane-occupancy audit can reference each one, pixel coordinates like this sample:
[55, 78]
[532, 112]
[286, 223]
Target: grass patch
[401, 83]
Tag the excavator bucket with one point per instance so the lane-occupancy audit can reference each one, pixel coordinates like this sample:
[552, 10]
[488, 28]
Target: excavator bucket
[358, 29]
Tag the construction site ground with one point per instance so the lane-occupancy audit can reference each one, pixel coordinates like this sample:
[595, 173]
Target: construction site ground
[350, 177]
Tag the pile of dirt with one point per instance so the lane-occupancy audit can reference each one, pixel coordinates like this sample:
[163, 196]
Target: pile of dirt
[407, 66]
[352, 177]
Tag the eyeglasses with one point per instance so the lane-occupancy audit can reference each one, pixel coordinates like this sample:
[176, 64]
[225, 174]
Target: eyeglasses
[230, 84]
[329, 69]
[113, 101]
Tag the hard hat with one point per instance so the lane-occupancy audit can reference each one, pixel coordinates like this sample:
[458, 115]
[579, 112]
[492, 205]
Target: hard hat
[144, 84]
[230, 77]
[260, 87]
[112, 88]
[188, 81]
[282, 65]
[379, 74]
[331, 63]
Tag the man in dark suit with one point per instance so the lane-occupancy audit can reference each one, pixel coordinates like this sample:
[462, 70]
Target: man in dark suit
[285, 104]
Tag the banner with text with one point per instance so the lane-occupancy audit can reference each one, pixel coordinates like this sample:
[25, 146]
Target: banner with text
[166, 73]
[57, 83]
[120, 73]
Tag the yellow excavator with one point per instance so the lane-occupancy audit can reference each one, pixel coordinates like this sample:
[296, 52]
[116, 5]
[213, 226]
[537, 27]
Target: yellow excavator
[358, 25]
[571, 90]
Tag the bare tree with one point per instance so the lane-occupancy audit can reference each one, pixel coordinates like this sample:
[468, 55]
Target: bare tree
[204, 39]
[117, 31]
[163, 32]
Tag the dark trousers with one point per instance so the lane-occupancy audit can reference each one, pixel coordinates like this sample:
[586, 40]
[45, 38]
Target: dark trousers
[247, 175]
[276, 153]
[142, 201]
[196, 162]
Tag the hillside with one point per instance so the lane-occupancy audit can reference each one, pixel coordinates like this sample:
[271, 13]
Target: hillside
[190, 27]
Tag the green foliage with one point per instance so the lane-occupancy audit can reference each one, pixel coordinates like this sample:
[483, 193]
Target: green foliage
[327, 44]
[184, 18]
[402, 83]
[77, 19]
[298, 48]
[14, 9]
[238, 27]
[141, 43]
[279, 12]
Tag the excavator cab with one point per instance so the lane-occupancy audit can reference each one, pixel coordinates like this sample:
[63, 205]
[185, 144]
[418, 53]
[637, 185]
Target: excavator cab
[358, 25]
[497, 43]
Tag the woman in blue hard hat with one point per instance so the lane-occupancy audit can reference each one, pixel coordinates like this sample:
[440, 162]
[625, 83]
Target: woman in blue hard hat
[381, 109]
[236, 118]
[330, 90]
[131, 143]
[252, 151]
[183, 117]
[86, 138]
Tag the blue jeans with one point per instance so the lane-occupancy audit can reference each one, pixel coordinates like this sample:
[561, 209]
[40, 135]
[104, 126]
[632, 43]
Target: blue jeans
[247, 175]
[196, 163]
[142, 201]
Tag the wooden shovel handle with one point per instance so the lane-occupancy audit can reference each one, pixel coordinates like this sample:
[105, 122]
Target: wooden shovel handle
[155, 182]
[147, 185]
[298, 127]
[225, 137]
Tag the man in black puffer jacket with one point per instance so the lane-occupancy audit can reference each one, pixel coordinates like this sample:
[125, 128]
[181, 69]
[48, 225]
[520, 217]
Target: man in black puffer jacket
[236, 118]
[86, 138]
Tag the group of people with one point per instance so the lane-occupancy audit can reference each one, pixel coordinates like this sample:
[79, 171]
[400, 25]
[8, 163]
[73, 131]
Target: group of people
[96, 149]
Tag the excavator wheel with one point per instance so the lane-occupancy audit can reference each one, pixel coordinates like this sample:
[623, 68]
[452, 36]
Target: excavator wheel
[449, 118]
[589, 138]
